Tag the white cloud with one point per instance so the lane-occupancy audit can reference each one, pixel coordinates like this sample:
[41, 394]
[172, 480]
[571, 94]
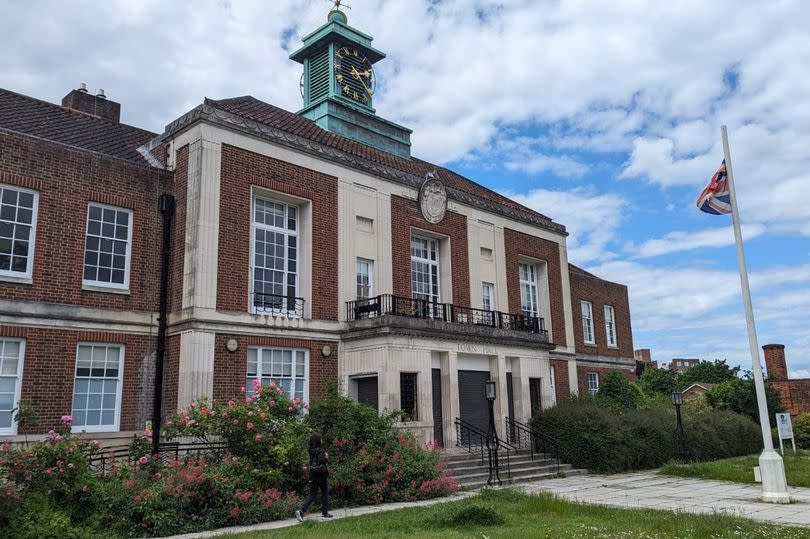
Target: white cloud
[591, 218]
[677, 241]
[800, 373]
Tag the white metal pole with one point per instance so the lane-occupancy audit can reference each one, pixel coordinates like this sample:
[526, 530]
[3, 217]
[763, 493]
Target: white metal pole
[774, 484]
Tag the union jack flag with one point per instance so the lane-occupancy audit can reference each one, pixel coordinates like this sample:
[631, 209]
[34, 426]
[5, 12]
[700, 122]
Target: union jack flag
[715, 198]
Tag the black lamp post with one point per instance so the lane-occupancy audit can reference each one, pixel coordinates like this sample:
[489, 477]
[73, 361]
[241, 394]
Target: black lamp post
[680, 437]
[492, 438]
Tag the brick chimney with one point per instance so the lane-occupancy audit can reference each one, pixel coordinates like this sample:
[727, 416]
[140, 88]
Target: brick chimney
[775, 361]
[97, 105]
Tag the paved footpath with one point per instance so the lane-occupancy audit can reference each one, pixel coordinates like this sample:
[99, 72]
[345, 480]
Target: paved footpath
[633, 490]
[650, 490]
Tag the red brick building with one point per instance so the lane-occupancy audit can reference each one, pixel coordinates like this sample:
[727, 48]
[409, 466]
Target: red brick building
[246, 242]
[795, 393]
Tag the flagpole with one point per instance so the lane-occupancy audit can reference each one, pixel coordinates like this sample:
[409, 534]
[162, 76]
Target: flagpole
[772, 468]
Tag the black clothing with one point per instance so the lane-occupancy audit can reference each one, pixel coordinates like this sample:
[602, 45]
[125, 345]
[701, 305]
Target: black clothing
[314, 484]
[318, 478]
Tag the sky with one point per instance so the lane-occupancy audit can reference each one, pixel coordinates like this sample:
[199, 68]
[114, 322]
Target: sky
[605, 116]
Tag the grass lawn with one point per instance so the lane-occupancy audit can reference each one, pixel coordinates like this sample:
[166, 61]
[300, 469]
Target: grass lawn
[514, 515]
[741, 469]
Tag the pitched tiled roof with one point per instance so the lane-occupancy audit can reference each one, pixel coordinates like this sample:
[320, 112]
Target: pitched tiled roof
[31, 116]
[258, 111]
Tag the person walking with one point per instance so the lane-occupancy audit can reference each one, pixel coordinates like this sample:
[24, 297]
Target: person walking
[318, 478]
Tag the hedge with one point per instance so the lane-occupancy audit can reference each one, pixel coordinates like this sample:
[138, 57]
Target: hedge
[603, 439]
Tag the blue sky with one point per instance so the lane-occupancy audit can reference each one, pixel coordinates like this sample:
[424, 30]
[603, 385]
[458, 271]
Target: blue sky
[604, 116]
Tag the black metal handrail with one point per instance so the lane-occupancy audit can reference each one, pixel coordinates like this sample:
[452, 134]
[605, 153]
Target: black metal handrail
[523, 436]
[278, 305]
[483, 441]
[389, 304]
[108, 456]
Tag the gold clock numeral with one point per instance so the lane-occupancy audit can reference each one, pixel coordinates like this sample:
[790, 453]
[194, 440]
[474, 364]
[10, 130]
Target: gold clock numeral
[346, 89]
[339, 77]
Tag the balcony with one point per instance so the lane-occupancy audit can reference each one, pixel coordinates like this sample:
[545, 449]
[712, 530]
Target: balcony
[460, 321]
[278, 305]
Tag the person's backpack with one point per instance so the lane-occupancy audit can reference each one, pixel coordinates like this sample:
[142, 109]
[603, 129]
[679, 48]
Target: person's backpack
[316, 464]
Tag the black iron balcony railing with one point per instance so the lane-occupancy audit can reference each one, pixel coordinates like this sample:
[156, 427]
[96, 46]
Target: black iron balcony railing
[278, 305]
[388, 304]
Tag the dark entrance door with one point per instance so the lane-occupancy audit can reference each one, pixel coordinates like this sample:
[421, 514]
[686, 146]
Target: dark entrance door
[510, 401]
[534, 394]
[367, 391]
[438, 431]
[473, 406]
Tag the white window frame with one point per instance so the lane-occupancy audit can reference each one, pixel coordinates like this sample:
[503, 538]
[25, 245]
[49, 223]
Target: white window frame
[593, 382]
[283, 311]
[432, 247]
[128, 255]
[369, 274]
[115, 427]
[29, 267]
[552, 372]
[587, 322]
[488, 296]
[18, 387]
[610, 326]
[259, 375]
[529, 300]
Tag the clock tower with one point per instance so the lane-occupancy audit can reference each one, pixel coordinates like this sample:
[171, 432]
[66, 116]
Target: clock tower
[338, 86]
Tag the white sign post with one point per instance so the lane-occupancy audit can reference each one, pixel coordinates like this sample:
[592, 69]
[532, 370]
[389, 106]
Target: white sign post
[785, 428]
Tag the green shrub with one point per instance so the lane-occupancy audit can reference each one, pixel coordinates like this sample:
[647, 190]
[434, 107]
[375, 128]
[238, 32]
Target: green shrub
[739, 395]
[655, 381]
[604, 439]
[616, 390]
[801, 430]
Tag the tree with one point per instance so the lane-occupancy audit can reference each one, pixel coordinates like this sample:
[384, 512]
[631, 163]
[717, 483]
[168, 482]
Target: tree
[801, 430]
[657, 381]
[710, 372]
[616, 390]
[739, 395]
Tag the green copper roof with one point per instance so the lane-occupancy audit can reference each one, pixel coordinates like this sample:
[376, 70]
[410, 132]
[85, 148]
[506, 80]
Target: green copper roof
[334, 30]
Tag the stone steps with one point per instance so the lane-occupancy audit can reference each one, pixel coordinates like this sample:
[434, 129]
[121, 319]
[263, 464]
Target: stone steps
[471, 473]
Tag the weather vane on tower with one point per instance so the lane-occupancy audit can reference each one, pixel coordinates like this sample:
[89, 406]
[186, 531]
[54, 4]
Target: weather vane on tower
[337, 5]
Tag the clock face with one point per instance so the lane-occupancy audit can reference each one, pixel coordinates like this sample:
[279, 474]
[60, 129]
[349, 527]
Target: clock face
[354, 74]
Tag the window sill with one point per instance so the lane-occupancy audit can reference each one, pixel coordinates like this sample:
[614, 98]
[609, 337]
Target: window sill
[106, 289]
[98, 429]
[16, 280]
[613, 347]
[591, 344]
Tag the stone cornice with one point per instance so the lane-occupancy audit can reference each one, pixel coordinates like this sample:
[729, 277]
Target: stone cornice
[227, 120]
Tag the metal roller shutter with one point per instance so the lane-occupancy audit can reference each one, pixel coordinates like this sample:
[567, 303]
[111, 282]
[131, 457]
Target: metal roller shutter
[438, 431]
[367, 391]
[473, 407]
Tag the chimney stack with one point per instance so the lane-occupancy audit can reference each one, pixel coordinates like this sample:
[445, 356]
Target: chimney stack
[96, 105]
[775, 361]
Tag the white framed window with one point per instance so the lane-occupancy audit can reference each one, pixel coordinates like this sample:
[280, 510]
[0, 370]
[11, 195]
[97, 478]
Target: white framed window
[18, 223]
[610, 325]
[97, 387]
[107, 246]
[593, 382]
[425, 268]
[365, 278]
[287, 368]
[552, 377]
[587, 322]
[488, 296]
[12, 352]
[528, 290]
[274, 259]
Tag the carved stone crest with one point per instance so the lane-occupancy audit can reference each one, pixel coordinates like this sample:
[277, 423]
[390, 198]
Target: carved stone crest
[432, 198]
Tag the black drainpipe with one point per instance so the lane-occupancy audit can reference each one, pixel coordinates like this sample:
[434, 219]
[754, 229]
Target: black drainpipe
[166, 207]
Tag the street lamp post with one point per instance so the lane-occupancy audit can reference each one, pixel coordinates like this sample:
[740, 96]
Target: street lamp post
[680, 437]
[492, 435]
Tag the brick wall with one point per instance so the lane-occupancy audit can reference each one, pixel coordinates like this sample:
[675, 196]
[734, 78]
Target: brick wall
[601, 293]
[519, 244]
[49, 370]
[405, 217]
[582, 376]
[775, 362]
[242, 169]
[67, 180]
[230, 368]
[562, 383]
